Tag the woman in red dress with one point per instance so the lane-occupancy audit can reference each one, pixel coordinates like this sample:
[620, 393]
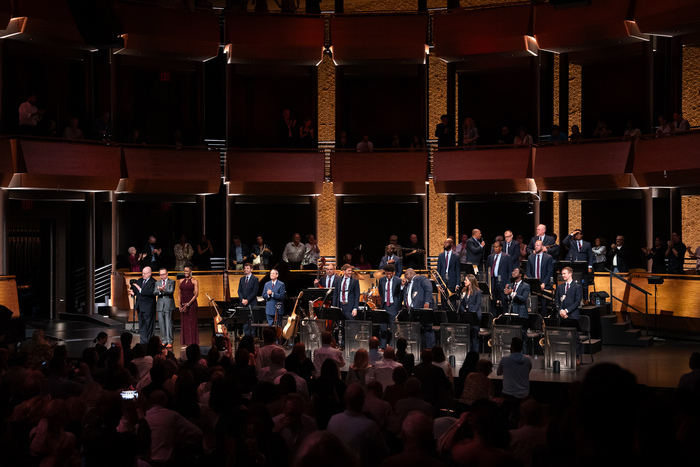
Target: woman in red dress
[189, 290]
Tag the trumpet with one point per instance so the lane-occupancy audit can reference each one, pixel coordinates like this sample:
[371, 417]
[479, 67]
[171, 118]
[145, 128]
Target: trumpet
[444, 290]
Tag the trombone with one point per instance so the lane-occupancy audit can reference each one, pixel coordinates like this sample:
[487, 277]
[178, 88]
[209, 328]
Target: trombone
[445, 291]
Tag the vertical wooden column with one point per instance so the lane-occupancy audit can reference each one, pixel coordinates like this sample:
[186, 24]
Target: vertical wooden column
[90, 253]
[564, 92]
[451, 97]
[4, 205]
[535, 101]
[114, 61]
[676, 219]
[648, 220]
[451, 216]
[563, 226]
[647, 124]
[230, 70]
[201, 120]
[536, 213]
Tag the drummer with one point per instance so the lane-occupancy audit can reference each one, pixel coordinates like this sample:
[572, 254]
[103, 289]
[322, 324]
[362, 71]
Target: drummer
[390, 293]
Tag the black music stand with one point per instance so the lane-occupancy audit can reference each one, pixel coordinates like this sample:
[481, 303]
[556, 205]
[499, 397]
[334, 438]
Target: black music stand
[580, 270]
[562, 323]
[332, 313]
[512, 319]
[313, 294]
[421, 315]
[378, 316]
[469, 269]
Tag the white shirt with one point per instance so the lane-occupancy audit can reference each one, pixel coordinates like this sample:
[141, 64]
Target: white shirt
[293, 253]
[515, 288]
[26, 109]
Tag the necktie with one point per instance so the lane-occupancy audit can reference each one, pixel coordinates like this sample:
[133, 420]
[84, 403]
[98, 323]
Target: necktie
[537, 268]
[409, 294]
[495, 267]
[579, 246]
[567, 289]
[447, 266]
[388, 292]
[246, 279]
[345, 281]
[163, 283]
[508, 247]
[328, 282]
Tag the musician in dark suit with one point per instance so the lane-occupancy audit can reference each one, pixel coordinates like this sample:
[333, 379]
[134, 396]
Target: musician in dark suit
[580, 250]
[475, 248]
[347, 298]
[510, 246]
[568, 296]
[392, 258]
[540, 266]
[518, 293]
[329, 280]
[390, 293]
[548, 242]
[448, 267]
[620, 256]
[247, 293]
[418, 293]
[273, 293]
[470, 302]
[499, 268]
[144, 290]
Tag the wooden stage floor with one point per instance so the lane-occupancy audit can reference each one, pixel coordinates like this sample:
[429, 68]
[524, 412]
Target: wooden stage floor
[660, 365]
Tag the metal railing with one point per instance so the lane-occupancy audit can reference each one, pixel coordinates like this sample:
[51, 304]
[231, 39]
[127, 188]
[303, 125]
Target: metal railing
[636, 287]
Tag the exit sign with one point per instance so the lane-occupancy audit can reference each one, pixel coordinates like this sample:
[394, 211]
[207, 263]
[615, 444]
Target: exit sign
[165, 76]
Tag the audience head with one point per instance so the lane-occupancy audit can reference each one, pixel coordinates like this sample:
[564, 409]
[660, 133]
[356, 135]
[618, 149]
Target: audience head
[400, 375]
[694, 362]
[323, 448]
[299, 351]
[373, 343]
[329, 370]
[154, 346]
[277, 356]
[361, 359]
[194, 354]
[389, 353]
[355, 397]
[126, 339]
[470, 361]
[326, 338]
[417, 431]
[516, 345]
[438, 354]
[484, 367]
[269, 335]
[401, 345]
[375, 389]
[426, 355]
[413, 387]
[101, 338]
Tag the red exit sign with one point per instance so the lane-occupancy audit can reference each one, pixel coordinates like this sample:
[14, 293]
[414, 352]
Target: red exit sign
[165, 76]
[27, 205]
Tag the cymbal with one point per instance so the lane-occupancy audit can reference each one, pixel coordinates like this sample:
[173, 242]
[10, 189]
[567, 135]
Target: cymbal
[379, 274]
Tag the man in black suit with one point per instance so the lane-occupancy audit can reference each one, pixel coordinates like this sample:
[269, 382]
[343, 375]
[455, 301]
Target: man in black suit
[328, 281]
[248, 287]
[475, 248]
[150, 254]
[580, 250]
[548, 242]
[510, 246]
[568, 296]
[418, 293]
[499, 268]
[620, 255]
[144, 290]
[518, 293]
[540, 266]
[390, 293]
[347, 298]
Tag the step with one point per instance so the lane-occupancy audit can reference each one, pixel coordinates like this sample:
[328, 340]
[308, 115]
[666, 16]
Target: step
[646, 341]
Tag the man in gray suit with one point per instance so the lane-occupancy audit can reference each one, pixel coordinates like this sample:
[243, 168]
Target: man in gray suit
[165, 288]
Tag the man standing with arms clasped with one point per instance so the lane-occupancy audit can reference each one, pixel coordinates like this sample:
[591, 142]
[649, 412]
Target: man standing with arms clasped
[145, 292]
[165, 288]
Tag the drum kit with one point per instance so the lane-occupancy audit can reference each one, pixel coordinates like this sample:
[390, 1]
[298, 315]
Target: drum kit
[371, 299]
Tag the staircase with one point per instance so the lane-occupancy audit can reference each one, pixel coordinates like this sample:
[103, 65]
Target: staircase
[622, 333]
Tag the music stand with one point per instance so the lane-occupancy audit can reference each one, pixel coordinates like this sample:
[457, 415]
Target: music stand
[469, 269]
[332, 313]
[421, 315]
[378, 316]
[313, 294]
[562, 323]
[512, 319]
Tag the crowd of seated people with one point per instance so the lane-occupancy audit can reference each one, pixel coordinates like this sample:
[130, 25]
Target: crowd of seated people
[122, 405]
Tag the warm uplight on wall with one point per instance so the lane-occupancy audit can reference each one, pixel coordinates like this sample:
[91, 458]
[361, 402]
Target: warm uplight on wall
[14, 27]
[531, 45]
[633, 31]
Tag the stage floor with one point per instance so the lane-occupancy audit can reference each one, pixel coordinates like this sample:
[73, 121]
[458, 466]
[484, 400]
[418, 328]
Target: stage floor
[660, 365]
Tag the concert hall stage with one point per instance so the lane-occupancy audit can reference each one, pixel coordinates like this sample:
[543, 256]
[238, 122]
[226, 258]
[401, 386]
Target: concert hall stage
[660, 365]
